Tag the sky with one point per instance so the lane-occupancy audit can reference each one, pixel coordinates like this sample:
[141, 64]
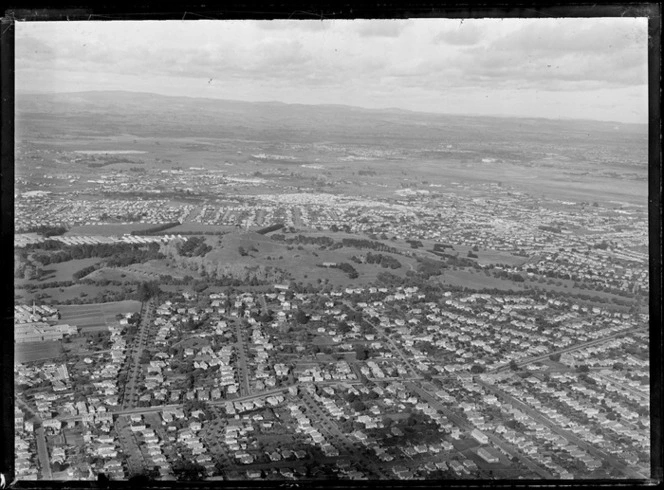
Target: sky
[550, 68]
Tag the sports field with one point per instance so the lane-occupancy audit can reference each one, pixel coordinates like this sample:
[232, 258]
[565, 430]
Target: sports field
[96, 317]
[34, 351]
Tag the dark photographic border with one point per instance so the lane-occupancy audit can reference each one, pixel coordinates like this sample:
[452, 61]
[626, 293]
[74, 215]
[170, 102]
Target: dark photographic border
[327, 10]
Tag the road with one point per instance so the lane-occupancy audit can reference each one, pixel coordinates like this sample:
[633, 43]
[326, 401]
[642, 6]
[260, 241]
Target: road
[339, 439]
[243, 369]
[390, 343]
[394, 348]
[582, 345]
[640, 395]
[42, 453]
[136, 463]
[570, 436]
[129, 395]
[159, 408]
[466, 426]
[40, 437]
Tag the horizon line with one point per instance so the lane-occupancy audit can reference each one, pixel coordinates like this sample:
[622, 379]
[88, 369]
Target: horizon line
[375, 109]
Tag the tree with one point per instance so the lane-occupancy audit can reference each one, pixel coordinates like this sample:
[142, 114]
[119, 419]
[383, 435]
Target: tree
[358, 406]
[477, 369]
[361, 352]
[301, 317]
[147, 290]
[555, 357]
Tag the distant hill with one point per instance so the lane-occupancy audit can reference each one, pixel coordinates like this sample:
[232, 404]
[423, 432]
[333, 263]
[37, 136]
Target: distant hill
[144, 114]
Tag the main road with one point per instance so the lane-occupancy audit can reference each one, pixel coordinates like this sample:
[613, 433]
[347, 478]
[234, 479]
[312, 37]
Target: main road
[159, 408]
[568, 435]
[329, 425]
[396, 350]
[242, 367]
[40, 437]
[139, 344]
[466, 426]
[572, 348]
[42, 452]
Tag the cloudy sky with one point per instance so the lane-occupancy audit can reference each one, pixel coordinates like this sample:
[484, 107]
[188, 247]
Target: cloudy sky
[553, 68]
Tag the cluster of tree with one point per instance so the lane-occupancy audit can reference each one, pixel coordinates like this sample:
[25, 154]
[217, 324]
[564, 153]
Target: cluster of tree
[336, 228]
[603, 245]
[415, 243]
[428, 268]
[373, 245]
[147, 290]
[138, 256]
[268, 229]
[119, 252]
[477, 369]
[47, 230]
[348, 269]
[47, 285]
[224, 273]
[155, 229]
[194, 247]
[361, 352]
[472, 255]
[322, 241]
[193, 405]
[384, 261]
[84, 272]
[188, 470]
[441, 247]
[301, 317]
[105, 296]
[512, 276]
[389, 279]
[552, 229]
[366, 172]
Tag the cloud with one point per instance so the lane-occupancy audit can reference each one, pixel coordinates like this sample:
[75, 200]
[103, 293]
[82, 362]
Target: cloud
[574, 35]
[555, 55]
[466, 33]
[364, 62]
[380, 28]
[304, 25]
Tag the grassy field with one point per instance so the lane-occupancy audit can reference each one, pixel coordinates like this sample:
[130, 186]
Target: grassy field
[149, 271]
[300, 261]
[486, 257]
[64, 270]
[107, 230]
[96, 316]
[58, 295]
[477, 280]
[189, 227]
[34, 351]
